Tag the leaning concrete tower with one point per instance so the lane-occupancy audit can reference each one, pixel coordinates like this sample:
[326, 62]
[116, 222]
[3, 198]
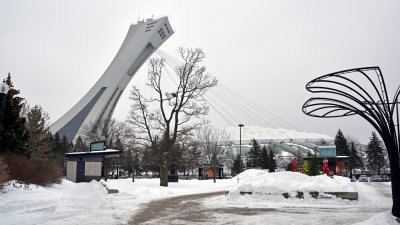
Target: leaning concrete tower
[98, 104]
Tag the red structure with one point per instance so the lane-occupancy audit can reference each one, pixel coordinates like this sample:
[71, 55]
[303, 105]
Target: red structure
[294, 166]
[325, 170]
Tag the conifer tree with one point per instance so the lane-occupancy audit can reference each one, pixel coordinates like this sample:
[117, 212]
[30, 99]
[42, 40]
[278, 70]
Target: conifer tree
[355, 159]
[236, 166]
[56, 143]
[39, 135]
[375, 154]
[342, 147]
[13, 134]
[272, 160]
[264, 158]
[254, 154]
[314, 166]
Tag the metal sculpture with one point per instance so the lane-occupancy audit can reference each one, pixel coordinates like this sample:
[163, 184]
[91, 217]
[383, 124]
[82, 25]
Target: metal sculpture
[345, 94]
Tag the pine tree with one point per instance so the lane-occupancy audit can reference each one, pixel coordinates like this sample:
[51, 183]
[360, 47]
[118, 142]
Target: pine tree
[57, 143]
[13, 133]
[264, 158]
[342, 147]
[314, 166]
[39, 135]
[65, 145]
[272, 161]
[254, 154]
[236, 166]
[355, 159]
[375, 154]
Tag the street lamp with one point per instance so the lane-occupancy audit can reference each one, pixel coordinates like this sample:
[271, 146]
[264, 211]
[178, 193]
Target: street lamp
[240, 147]
[3, 92]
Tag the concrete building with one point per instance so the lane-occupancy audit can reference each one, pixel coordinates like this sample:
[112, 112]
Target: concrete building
[142, 40]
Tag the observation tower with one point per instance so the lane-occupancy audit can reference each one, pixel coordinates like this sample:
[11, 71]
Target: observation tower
[141, 41]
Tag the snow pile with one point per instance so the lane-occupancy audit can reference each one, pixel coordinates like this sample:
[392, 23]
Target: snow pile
[262, 182]
[149, 189]
[382, 218]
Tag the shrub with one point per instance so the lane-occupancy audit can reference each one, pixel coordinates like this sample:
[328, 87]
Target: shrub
[39, 171]
[4, 173]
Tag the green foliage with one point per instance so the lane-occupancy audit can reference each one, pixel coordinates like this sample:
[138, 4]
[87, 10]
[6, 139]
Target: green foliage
[355, 159]
[314, 166]
[342, 147]
[236, 166]
[40, 138]
[289, 166]
[272, 162]
[264, 158]
[13, 133]
[254, 154]
[375, 154]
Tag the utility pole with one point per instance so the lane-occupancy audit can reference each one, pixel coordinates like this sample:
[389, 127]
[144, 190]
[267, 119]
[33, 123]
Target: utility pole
[240, 147]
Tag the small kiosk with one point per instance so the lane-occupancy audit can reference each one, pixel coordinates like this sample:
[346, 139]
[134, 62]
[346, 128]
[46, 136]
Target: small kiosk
[87, 166]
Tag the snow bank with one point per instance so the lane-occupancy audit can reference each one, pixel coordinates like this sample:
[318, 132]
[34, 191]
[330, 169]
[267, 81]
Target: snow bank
[382, 218]
[259, 181]
[149, 189]
[89, 203]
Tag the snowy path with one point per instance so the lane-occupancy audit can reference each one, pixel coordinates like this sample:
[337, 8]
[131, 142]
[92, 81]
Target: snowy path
[205, 209]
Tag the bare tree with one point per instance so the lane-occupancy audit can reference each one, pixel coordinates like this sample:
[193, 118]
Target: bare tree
[114, 133]
[178, 109]
[213, 145]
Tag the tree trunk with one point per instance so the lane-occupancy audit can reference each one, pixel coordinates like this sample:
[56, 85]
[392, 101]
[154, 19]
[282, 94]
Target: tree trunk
[164, 175]
[215, 174]
[133, 172]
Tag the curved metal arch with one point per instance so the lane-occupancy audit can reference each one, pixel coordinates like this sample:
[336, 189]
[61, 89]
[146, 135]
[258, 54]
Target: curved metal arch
[376, 116]
[339, 75]
[344, 106]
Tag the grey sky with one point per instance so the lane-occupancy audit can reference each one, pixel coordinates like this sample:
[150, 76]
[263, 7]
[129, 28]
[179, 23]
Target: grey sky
[265, 50]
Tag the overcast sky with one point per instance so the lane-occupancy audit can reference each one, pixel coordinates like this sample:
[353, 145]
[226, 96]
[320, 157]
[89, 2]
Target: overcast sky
[265, 50]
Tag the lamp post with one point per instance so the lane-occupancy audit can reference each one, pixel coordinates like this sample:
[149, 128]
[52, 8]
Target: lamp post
[3, 92]
[240, 147]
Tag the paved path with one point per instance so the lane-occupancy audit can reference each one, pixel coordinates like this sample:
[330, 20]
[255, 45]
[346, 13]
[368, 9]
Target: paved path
[192, 209]
[187, 208]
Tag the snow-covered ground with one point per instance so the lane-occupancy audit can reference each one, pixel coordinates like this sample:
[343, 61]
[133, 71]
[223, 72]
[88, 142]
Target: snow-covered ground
[89, 203]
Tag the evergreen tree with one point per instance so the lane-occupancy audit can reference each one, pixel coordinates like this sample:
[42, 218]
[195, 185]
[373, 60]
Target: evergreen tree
[57, 143]
[254, 154]
[314, 166]
[264, 158]
[342, 147]
[13, 133]
[272, 160]
[355, 159]
[289, 166]
[65, 145]
[375, 154]
[236, 166]
[39, 135]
